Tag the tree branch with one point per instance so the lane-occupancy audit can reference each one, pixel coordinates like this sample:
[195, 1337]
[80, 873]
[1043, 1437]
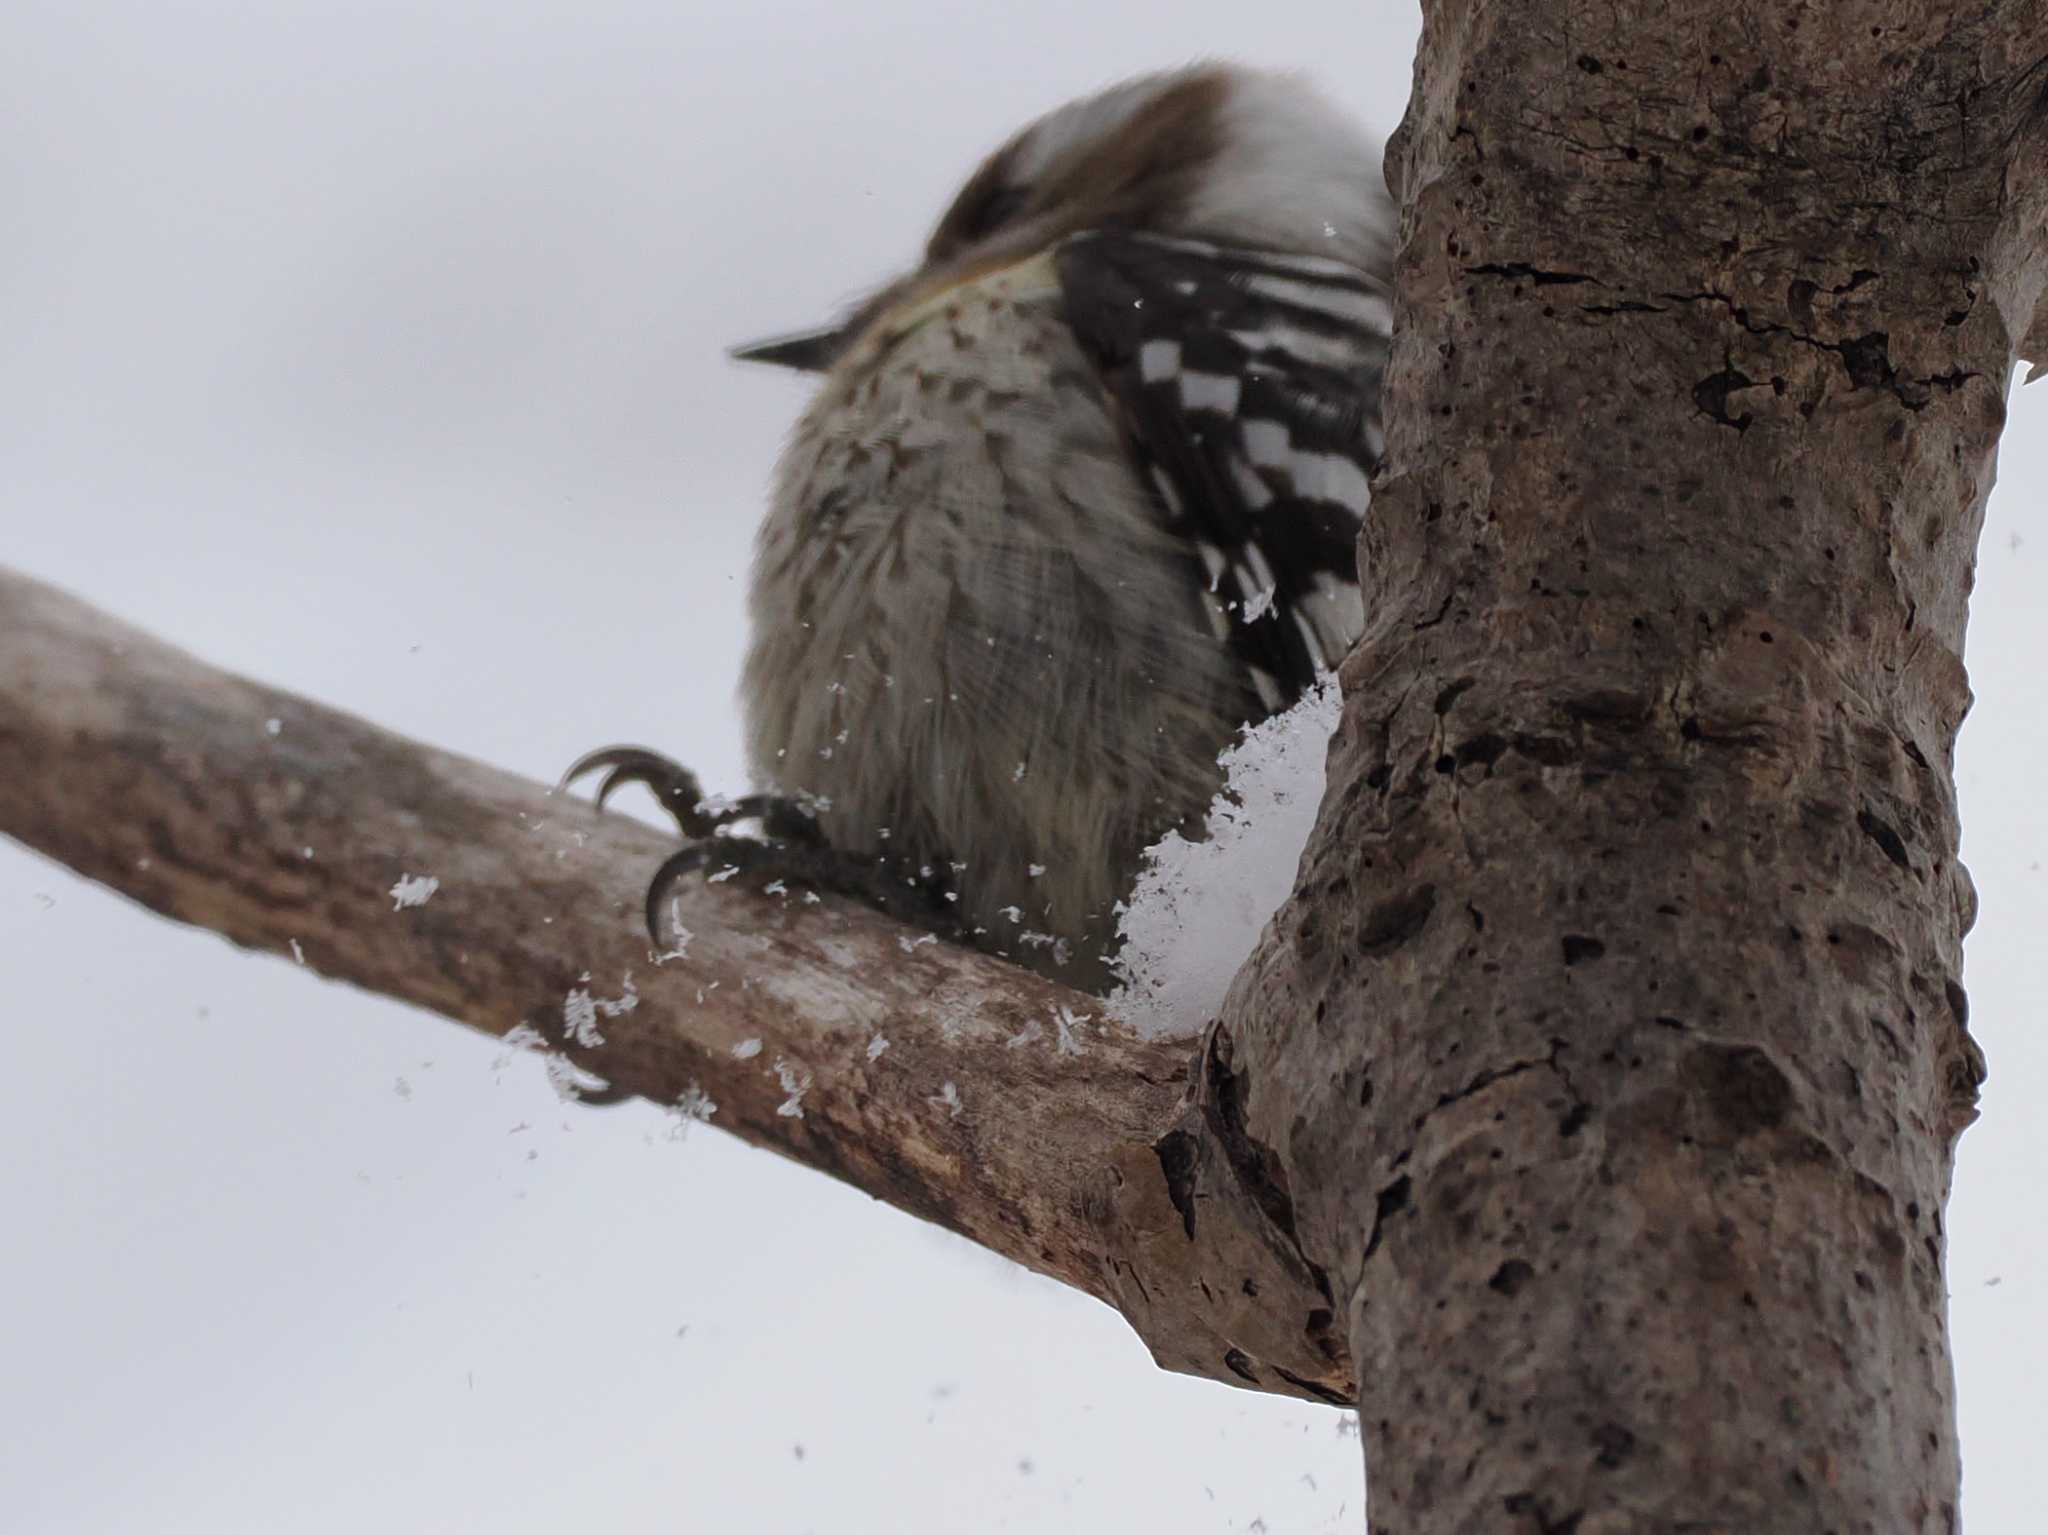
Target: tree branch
[978, 1096]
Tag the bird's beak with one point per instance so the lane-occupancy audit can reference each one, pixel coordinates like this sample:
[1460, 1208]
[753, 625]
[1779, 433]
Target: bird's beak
[808, 351]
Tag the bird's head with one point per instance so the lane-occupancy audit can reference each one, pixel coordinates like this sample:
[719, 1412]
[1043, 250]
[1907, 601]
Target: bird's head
[1214, 152]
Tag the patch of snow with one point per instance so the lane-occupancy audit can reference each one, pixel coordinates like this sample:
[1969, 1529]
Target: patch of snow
[1198, 907]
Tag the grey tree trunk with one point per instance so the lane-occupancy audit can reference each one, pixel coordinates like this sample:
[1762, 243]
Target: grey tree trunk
[1610, 1057]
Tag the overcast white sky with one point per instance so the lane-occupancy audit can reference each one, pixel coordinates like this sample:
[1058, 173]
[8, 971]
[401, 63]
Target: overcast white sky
[375, 349]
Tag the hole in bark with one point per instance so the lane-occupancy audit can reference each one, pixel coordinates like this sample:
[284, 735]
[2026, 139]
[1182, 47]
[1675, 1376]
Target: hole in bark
[1511, 1276]
[1176, 1151]
[1395, 921]
[1393, 1199]
[1742, 1086]
[1886, 837]
[1614, 1443]
[1239, 1364]
[1710, 394]
[1868, 359]
[1574, 1121]
[1589, 64]
[1579, 948]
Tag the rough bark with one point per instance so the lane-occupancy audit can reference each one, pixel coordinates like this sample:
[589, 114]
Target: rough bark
[1002, 1106]
[1611, 1054]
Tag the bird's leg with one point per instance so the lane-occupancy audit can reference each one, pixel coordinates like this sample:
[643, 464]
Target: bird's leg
[791, 851]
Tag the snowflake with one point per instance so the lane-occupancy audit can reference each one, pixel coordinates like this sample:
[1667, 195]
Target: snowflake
[571, 1081]
[524, 1037]
[693, 1107]
[580, 1012]
[794, 1081]
[681, 934]
[413, 892]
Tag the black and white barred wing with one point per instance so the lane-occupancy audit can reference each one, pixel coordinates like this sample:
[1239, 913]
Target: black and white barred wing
[1249, 384]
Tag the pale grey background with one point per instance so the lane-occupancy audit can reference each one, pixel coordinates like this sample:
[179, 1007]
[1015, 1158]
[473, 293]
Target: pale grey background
[374, 349]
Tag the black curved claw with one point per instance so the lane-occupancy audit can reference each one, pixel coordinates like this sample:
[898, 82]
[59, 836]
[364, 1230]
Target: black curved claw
[682, 795]
[674, 785]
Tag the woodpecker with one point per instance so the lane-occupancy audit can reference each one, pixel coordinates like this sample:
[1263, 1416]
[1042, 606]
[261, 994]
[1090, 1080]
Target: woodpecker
[1076, 501]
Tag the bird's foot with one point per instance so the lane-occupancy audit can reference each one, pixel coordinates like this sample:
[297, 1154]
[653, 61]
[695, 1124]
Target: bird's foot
[916, 898]
[791, 852]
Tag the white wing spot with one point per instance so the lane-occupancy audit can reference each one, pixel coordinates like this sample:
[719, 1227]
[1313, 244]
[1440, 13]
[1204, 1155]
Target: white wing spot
[1210, 391]
[1158, 360]
[1336, 352]
[1269, 443]
[1262, 573]
[1367, 310]
[1331, 477]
